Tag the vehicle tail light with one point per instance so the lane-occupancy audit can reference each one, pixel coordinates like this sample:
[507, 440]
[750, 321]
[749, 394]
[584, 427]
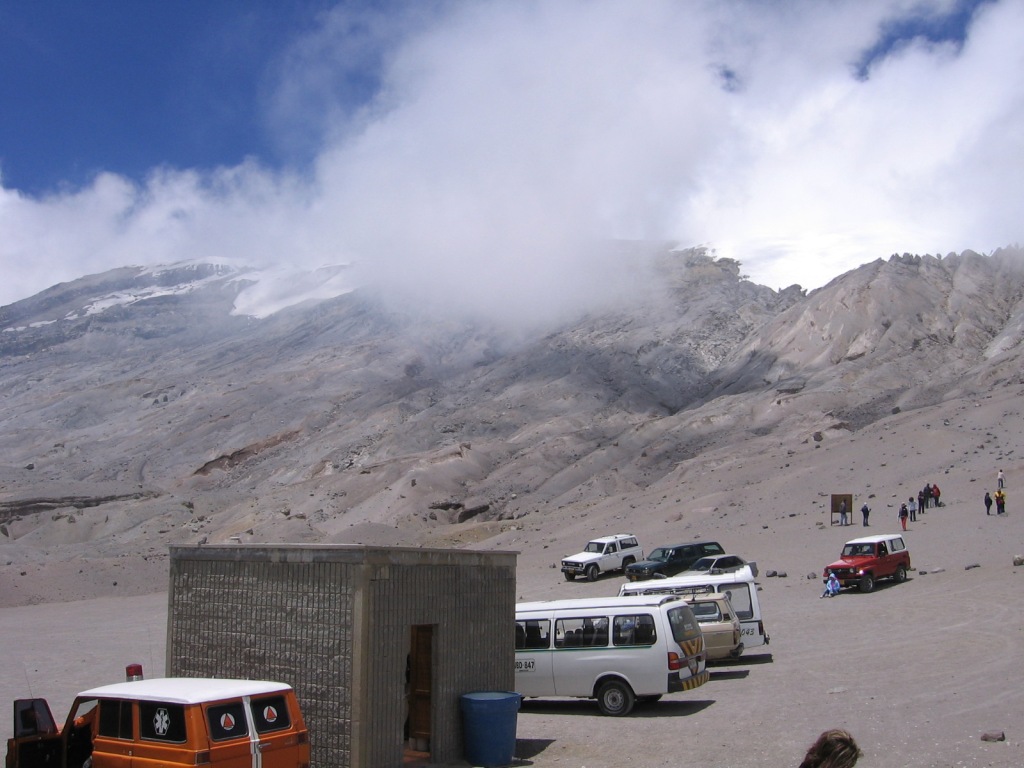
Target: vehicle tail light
[133, 672]
[202, 758]
[674, 662]
[303, 737]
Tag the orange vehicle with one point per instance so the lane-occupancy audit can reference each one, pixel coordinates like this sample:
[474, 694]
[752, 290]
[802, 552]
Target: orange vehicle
[165, 722]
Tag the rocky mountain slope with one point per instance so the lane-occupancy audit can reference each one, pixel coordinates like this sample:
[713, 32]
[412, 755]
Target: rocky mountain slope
[139, 409]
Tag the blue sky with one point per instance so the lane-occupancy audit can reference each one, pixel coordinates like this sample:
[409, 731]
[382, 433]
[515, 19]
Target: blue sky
[127, 85]
[482, 147]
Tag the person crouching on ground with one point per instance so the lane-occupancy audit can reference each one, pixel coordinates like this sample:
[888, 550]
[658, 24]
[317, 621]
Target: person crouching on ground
[832, 586]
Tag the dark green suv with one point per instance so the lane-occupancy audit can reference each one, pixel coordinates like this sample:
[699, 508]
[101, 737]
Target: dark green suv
[668, 561]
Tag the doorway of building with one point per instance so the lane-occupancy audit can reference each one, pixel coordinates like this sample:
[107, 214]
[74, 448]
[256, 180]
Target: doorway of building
[418, 686]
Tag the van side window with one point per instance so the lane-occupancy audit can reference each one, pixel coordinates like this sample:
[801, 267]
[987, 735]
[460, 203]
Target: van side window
[629, 543]
[589, 632]
[32, 717]
[634, 630]
[533, 633]
[115, 719]
[227, 721]
[270, 714]
[159, 721]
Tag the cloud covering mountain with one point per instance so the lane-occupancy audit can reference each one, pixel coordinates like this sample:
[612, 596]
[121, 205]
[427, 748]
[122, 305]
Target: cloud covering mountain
[479, 151]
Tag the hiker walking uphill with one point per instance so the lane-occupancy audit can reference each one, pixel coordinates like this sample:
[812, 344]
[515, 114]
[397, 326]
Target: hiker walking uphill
[903, 514]
[988, 503]
[1000, 479]
[912, 506]
[935, 495]
[1000, 498]
[865, 511]
[921, 502]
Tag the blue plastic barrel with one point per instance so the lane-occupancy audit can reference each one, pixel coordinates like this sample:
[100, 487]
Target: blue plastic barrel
[489, 727]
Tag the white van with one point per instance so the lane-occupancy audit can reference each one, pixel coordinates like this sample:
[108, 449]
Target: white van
[613, 649]
[738, 586]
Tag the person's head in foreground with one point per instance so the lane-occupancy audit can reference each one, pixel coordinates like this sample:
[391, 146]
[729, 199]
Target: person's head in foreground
[835, 748]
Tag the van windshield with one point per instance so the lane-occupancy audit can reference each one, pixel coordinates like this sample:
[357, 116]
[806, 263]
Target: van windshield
[684, 625]
[594, 546]
[660, 554]
[739, 597]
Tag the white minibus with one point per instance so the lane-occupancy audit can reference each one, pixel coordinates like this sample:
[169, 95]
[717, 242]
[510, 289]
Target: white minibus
[738, 586]
[613, 649]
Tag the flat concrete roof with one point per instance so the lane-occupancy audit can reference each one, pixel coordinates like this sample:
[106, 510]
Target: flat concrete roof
[344, 553]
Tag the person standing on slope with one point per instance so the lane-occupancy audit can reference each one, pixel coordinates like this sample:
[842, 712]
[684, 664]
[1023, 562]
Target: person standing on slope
[988, 503]
[903, 514]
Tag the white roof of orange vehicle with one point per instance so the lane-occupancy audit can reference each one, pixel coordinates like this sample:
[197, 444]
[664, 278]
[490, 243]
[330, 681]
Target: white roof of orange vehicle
[184, 690]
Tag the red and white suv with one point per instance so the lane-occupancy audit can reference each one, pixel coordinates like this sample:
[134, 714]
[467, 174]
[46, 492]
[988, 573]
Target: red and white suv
[870, 558]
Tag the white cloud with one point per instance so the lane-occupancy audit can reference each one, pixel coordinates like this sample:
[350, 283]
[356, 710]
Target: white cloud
[508, 137]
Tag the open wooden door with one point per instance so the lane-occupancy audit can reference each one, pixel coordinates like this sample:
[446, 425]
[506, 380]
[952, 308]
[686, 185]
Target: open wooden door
[419, 688]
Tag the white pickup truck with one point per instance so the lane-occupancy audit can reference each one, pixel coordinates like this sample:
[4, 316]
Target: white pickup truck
[608, 553]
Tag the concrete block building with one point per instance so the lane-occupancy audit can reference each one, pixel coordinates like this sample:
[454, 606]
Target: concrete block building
[379, 643]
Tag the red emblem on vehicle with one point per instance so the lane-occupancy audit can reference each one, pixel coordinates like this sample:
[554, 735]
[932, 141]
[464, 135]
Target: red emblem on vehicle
[227, 722]
[269, 714]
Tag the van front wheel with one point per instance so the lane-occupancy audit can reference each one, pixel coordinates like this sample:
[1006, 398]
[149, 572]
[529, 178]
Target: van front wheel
[901, 575]
[569, 576]
[615, 698]
[591, 572]
[867, 582]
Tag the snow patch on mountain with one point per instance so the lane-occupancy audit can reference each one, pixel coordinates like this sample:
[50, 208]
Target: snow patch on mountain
[269, 291]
